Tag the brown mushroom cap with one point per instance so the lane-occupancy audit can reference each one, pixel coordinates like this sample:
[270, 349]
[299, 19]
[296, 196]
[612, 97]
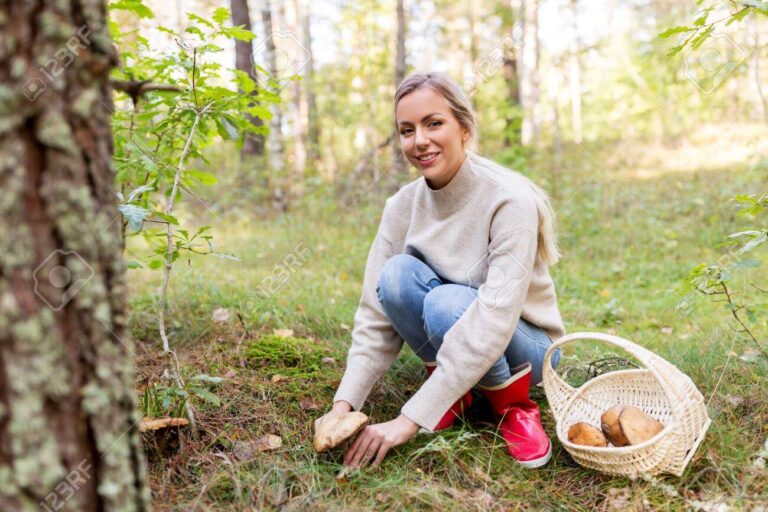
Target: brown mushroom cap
[638, 426]
[587, 435]
[609, 422]
[333, 429]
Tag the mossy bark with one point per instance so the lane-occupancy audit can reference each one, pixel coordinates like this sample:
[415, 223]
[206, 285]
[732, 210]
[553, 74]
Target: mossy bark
[68, 418]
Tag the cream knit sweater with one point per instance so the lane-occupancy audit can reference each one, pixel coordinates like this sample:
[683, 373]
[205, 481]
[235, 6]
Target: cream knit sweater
[479, 230]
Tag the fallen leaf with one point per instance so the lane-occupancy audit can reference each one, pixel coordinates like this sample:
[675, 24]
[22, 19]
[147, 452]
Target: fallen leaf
[381, 497]
[605, 293]
[309, 404]
[666, 330]
[328, 360]
[220, 315]
[750, 355]
[344, 326]
[482, 475]
[617, 499]
[735, 401]
[341, 476]
[230, 374]
[148, 424]
[277, 378]
[485, 500]
[283, 333]
[247, 450]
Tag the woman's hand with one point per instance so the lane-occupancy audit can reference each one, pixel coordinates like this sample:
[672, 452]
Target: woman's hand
[338, 408]
[376, 440]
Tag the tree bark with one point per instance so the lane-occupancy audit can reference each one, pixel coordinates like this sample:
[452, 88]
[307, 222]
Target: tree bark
[313, 128]
[69, 435]
[279, 197]
[253, 145]
[399, 165]
[512, 81]
[528, 71]
[299, 112]
[575, 75]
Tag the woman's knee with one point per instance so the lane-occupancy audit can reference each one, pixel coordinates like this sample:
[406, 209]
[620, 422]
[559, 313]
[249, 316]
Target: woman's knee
[393, 277]
[443, 305]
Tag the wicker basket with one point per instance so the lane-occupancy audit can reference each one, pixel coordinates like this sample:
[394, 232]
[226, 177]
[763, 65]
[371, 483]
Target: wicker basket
[660, 390]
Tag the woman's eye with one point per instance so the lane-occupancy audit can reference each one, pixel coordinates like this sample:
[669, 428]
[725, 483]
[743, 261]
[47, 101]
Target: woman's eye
[435, 123]
[406, 131]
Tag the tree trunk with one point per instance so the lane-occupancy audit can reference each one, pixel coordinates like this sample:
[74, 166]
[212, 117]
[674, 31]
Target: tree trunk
[528, 70]
[472, 19]
[313, 128]
[253, 144]
[575, 75]
[69, 435]
[512, 81]
[294, 26]
[399, 164]
[280, 199]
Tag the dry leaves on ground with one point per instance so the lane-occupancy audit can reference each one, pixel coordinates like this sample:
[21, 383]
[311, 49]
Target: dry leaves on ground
[220, 315]
[247, 450]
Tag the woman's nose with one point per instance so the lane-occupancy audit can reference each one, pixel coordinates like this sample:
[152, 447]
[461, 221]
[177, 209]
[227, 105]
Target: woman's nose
[421, 139]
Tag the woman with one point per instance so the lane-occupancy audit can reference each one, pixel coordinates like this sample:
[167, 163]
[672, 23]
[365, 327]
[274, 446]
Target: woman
[459, 271]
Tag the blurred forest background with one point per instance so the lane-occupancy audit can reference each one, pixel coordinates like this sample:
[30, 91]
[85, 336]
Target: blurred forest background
[645, 120]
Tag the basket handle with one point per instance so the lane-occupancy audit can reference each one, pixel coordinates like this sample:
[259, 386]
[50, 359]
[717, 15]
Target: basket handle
[561, 392]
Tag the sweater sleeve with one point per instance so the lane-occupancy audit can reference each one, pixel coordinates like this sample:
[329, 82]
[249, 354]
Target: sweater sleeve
[480, 336]
[375, 343]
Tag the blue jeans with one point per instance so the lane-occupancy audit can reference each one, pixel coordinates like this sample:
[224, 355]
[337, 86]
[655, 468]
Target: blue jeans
[422, 307]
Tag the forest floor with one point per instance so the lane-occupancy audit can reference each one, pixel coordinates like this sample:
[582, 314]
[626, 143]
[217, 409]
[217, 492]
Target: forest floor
[276, 326]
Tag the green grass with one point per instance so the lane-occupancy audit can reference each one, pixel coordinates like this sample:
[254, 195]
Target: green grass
[625, 243]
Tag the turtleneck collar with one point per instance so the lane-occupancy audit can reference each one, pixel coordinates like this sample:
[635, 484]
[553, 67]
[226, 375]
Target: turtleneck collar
[455, 193]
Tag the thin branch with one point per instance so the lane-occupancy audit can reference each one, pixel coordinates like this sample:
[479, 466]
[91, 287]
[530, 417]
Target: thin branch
[734, 312]
[169, 258]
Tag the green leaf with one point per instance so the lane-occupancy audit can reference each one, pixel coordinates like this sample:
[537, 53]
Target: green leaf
[238, 33]
[167, 218]
[204, 377]
[133, 264]
[220, 15]
[137, 191]
[194, 17]
[702, 37]
[674, 30]
[207, 396]
[156, 264]
[757, 4]
[135, 6]
[205, 178]
[135, 215]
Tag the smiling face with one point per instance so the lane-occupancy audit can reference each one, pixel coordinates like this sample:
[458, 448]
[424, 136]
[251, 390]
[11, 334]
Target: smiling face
[432, 138]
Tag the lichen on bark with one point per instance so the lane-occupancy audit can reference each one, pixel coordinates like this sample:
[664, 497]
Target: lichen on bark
[66, 398]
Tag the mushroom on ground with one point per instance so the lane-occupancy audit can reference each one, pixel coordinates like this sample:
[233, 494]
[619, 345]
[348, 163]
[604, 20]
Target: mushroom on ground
[333, 429]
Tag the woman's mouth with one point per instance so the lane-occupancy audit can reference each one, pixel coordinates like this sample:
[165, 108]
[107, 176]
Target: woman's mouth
[427, 159]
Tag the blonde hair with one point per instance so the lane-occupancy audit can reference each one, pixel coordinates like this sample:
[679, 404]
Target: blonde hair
[462, 109]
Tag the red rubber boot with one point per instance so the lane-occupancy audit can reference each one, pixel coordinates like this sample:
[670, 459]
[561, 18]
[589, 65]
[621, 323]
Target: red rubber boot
[456, 410]
[519, 419]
